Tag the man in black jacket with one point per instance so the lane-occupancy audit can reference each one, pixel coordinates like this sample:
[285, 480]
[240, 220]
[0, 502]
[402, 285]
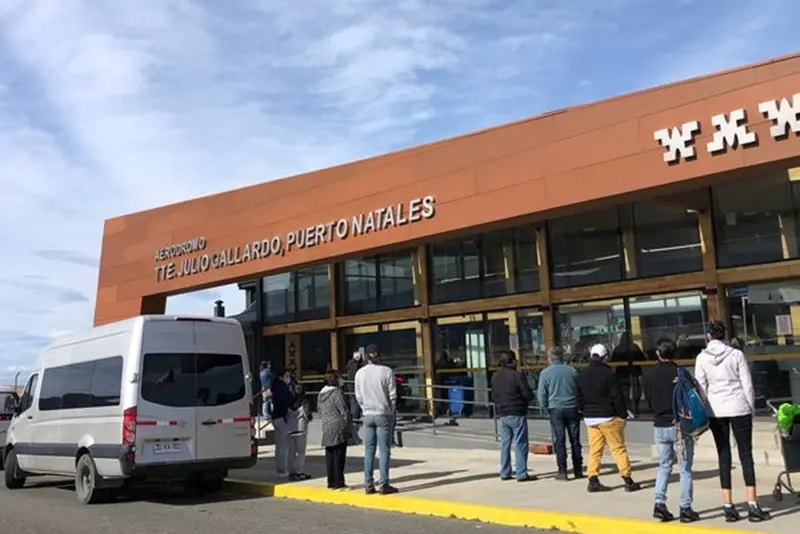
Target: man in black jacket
[511, 395]
[605, 414]
[659, 389]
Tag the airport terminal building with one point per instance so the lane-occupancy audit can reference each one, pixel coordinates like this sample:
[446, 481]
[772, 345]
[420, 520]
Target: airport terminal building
[625, 222]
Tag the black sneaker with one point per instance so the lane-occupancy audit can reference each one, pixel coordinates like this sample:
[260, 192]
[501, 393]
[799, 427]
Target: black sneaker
[561, 475]
[731, 514]
[688, 515]
[388, 489]
[578, 473]
[755, 514]
[528, 478]
[630, 485]
[662, 513]
[595, 486]
[369, 490]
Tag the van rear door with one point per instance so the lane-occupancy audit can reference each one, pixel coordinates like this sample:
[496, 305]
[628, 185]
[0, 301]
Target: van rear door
[166, 428]
[223, 392]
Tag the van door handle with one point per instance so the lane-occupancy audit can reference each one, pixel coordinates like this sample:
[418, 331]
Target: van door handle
[209, 422]
[29, 416]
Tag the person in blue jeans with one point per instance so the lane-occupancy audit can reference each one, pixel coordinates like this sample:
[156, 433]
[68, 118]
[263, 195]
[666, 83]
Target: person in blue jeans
[659, 387]
[557, 394]
[265, 377]
[376, 394]
[511, 396]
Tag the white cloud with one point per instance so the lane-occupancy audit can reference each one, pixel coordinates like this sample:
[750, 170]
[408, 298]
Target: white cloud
[113, 107]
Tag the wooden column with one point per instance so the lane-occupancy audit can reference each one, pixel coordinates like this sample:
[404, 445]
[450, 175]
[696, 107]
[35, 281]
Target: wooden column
[422, 289]
[333, 300]
[715, 293]
[543, 259]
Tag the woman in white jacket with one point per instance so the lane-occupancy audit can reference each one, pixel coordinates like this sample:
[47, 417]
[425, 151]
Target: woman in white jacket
[724, 376]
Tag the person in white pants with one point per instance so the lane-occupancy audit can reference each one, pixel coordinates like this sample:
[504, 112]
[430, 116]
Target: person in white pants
[299, 417]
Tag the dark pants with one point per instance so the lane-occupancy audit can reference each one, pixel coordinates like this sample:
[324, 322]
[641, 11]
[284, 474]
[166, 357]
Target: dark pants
[742, 427]
[334, 465]
[566, 422]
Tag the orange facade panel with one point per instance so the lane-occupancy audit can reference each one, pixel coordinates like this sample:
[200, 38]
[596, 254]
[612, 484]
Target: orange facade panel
[652, 140]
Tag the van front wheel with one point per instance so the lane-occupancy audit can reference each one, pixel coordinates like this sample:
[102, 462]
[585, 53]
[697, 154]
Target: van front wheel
[13, 481]
[86, 481]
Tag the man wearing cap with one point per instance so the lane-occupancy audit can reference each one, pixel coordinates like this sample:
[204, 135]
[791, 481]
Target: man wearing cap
[376, 394]
[604, 413]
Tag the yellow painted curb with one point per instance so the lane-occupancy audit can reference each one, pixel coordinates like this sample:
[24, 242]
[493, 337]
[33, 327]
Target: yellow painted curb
[497, 515]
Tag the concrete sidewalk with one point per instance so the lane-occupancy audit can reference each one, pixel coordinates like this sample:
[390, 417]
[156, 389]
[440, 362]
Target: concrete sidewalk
[464, 484]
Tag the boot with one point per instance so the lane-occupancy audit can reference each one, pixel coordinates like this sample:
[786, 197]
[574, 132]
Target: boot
[662, 513]
[595, 486]
[630, 485]
[688, 515]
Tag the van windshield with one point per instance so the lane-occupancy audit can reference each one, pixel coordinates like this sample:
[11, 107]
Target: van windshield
[6, 403]
[184, 380]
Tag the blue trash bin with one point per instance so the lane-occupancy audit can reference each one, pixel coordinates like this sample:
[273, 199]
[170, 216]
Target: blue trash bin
[455, 397]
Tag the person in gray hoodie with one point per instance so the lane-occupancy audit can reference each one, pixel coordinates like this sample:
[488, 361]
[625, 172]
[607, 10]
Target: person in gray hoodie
[723, 374]
[336, 421]
[376, 393]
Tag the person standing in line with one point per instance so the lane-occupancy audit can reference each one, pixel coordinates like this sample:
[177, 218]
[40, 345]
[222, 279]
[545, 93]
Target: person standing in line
[511, 396]
[723, 374]
[605, 414]
[376, 394]
[557, 394]
[299, 419]
[335, 416]
[353, 365]
[265, 376]
[282, 419]
[659, 389]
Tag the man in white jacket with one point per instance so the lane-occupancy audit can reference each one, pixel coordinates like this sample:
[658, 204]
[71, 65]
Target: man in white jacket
[724, 376]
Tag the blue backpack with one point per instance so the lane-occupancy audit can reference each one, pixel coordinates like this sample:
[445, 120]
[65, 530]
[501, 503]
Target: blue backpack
[691, 411]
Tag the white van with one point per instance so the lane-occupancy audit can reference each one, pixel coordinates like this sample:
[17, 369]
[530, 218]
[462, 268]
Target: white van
[150, 399]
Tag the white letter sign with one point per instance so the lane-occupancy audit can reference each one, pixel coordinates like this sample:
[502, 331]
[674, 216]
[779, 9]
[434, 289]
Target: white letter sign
[730, 132]
[677, 141]
[783, 115]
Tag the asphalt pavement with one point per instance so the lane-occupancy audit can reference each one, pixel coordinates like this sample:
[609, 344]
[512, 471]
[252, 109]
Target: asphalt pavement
[48, 506]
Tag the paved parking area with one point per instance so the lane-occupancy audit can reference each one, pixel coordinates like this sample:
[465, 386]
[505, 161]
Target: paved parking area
[48, 506]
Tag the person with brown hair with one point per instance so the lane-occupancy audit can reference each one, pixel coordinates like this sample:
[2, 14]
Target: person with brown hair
[336, 421]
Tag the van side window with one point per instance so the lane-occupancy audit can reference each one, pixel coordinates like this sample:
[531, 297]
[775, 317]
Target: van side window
[188, 380]
[82, 385]
[27, 396]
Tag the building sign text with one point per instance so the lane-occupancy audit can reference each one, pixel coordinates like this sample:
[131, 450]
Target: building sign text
[192, 257]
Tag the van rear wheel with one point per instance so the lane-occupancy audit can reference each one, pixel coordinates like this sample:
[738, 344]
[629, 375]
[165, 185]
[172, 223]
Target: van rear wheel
[13, 480]
[86, 480]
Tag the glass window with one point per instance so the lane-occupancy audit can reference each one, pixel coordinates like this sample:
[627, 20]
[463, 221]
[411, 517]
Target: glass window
[107, 382]
[754, 220]
[190, 380]
[301, 295]
[378, 283]
[398, 345]
[496, 263]
[585, 249]
[666, 239]
[76, 385]
[315, 353]
[579, 326]
[677, 317]
[7, 403]
[27, 396]
[765, 323]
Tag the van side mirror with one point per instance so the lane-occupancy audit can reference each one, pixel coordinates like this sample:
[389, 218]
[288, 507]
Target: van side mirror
[17, 404]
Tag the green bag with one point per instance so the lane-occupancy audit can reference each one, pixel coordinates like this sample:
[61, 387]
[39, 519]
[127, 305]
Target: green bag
[786, 415]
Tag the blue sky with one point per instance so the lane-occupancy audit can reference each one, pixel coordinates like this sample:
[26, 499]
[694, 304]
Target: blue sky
[117, 106]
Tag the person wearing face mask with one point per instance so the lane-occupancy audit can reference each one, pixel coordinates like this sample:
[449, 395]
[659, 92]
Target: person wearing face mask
[282, 401]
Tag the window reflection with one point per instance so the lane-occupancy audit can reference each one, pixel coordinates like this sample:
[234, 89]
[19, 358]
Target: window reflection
[585, 249]
[667, 240]
[579, 326]
[755, 219]
[765, 321]
[378, 283]
[301, 295]
[493, 264]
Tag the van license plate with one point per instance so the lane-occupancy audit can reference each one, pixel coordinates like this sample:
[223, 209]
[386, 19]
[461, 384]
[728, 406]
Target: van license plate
[166, 448]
